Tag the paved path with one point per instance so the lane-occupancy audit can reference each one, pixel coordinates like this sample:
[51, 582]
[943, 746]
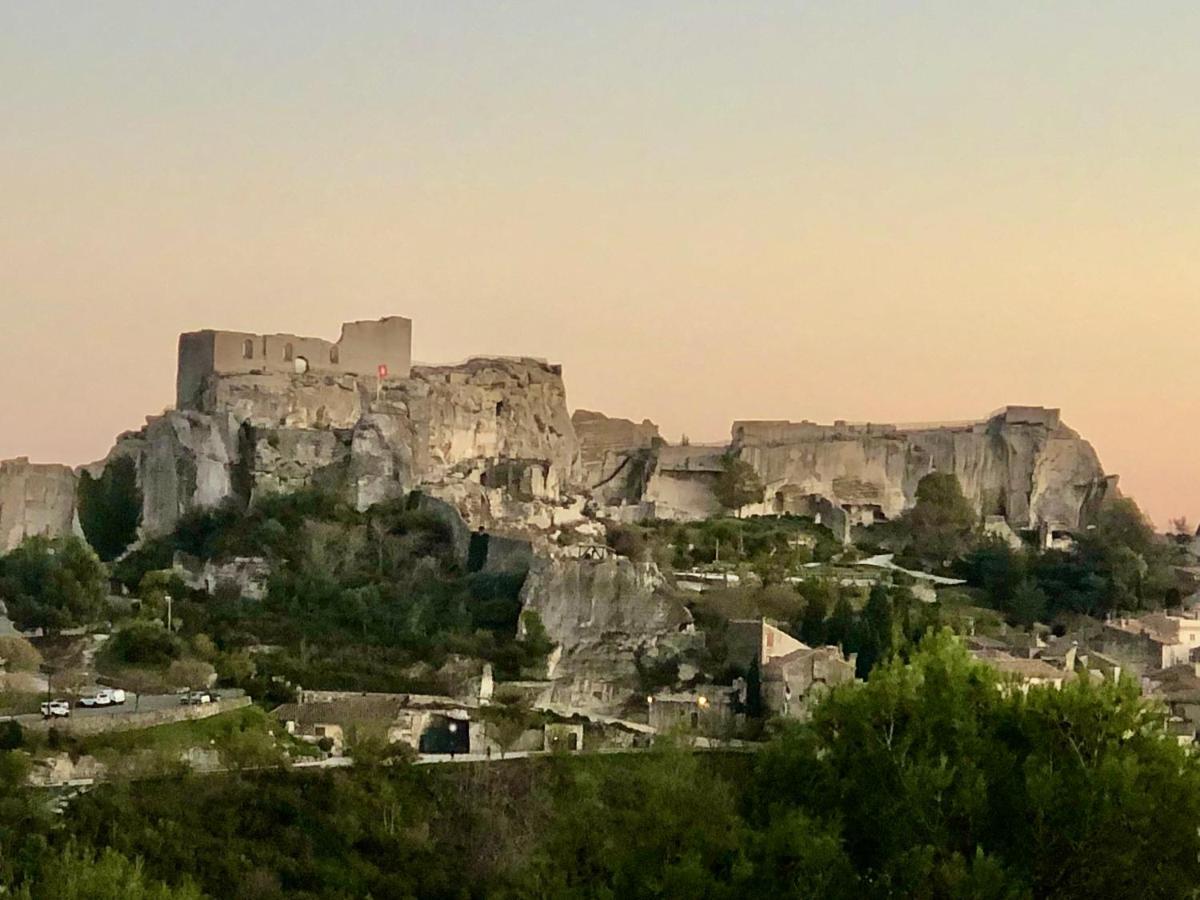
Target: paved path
[146, 703]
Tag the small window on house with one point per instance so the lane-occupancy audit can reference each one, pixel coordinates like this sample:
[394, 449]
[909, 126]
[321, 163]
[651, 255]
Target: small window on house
[320, 731]
[287, 352]
[333, 355]
[248, 349]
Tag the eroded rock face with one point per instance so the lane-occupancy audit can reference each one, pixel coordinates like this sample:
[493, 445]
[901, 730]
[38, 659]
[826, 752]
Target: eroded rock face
[184, 460]
[1021, 463]
[616, 455]
[492, 436]
[35, 499]
[602, 614]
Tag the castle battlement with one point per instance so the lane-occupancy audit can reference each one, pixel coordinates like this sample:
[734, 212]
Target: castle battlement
[362, 349]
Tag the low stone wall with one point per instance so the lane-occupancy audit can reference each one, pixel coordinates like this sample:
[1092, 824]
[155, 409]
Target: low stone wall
[81, 726]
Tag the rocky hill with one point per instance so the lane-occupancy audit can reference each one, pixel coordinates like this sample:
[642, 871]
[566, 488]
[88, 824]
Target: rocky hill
[493, 437]
[1021, 463]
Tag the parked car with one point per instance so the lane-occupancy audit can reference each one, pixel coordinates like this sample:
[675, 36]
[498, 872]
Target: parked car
[118, 696]
[100, 698]
[56, 709]
[196, 698]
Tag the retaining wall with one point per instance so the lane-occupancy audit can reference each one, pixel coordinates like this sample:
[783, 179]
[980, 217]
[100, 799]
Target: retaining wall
[131, 721]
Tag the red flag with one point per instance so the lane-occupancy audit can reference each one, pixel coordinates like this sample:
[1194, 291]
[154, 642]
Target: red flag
[382, 371]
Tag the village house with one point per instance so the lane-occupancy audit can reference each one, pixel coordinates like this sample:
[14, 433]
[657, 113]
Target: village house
[793, 675]
[1024, 672]
[792, 684]
[1156, 640]
[709, 709]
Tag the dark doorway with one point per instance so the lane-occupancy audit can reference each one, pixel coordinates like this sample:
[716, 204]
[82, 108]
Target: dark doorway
[445, 735]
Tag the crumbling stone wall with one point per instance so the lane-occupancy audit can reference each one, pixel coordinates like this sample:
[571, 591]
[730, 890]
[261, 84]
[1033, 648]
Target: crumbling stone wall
[35, 499]
[362, 348]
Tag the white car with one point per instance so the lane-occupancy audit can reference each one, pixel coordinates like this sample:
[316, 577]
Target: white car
[100, 698]
[56, 709]
[118, 696]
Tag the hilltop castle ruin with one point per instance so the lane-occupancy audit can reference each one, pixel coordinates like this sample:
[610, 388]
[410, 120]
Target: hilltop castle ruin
[382, 347]
[493, 439]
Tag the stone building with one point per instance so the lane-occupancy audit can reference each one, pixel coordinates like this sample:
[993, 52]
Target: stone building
[793, 675]
[1153, 641]
[708, 709]
[1022, 672]
[372, 349]
[793, 683]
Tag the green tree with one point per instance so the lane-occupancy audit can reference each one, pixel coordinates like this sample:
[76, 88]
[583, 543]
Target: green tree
[53, 584]
[12, 736]
[1123, 550]
[754, 698]
[737, 484]
[666, 827]
[1028, 603]
[19, 655]
[841, 629]
[78, 874]
[876, 630]
[941, 526]
[945, 785]
[816, 610]
[110, 508]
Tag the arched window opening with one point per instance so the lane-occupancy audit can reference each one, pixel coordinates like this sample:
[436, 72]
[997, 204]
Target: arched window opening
[288, 353]
[248, 348]
[333, 355]
[301, 365]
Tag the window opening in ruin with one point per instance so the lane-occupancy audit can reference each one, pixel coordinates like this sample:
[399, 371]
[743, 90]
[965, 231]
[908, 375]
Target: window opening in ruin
[333, 355]
[500, 407]
[287, 352]
[301, 365]
[695, 720]
[248, 349]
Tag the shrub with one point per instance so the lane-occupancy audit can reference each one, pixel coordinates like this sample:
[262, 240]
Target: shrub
[110, 508]
[144, 644]
[12, 736]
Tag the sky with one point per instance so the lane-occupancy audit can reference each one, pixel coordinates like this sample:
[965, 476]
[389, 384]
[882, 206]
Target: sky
[705, 211]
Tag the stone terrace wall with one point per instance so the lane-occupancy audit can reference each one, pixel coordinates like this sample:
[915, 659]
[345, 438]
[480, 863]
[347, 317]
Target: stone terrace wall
[81, 726]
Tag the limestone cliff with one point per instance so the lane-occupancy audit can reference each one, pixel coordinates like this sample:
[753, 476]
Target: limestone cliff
[492, 436]
[34, 499]
[1021, 463]
[616, 456]
[602, 614]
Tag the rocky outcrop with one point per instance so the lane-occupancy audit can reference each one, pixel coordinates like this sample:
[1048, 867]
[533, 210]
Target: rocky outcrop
[491, 436]
[1021, 463]
[603, 614]
[616, 455]
[184, 460]
[35, 499]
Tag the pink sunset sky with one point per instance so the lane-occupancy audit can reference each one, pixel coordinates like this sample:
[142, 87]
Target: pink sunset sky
[842, 210]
